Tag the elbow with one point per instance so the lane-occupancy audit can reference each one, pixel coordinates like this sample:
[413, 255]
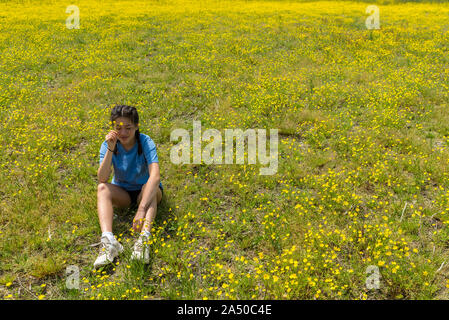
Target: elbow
[101, 181]
[102, 178]
[98, 177]
[156, 178]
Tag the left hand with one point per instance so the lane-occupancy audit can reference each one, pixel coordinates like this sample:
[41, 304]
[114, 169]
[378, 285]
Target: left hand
[138, 220]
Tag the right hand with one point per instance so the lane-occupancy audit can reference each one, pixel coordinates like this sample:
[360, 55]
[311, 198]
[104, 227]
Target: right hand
[111, 139]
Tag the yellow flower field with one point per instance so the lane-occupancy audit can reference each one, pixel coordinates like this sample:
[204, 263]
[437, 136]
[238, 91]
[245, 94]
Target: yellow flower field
[362, 188]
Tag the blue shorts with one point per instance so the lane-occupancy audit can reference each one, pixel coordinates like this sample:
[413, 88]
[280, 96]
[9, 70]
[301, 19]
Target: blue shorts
[135, 193]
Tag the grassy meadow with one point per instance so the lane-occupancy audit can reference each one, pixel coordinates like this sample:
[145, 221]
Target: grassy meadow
[363, 123]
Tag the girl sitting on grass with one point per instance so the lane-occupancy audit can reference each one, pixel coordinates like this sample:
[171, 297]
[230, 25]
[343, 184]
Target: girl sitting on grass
[136, 182]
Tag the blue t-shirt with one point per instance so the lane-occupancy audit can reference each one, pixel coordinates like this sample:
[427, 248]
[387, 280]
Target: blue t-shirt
[130, 168]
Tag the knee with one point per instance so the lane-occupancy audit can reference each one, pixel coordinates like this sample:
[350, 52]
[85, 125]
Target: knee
[102, 188]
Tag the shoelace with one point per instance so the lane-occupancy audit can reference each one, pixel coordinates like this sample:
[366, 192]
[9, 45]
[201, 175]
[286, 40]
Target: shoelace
[94, 244]
[104, 247]
[139, 246]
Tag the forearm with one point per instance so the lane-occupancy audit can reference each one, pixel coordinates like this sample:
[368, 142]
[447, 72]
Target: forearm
[149, 191]
[105, 168]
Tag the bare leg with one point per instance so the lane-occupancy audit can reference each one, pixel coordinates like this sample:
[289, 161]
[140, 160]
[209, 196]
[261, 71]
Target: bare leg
[109, 195]
[151, 211]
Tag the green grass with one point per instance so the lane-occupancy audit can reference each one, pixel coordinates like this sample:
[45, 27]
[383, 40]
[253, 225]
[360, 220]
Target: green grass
[363, 127]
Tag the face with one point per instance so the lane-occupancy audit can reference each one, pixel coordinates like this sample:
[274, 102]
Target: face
[126, 129]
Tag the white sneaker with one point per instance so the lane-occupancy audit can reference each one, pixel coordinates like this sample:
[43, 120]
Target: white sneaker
[108, 251]
[141, 250]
